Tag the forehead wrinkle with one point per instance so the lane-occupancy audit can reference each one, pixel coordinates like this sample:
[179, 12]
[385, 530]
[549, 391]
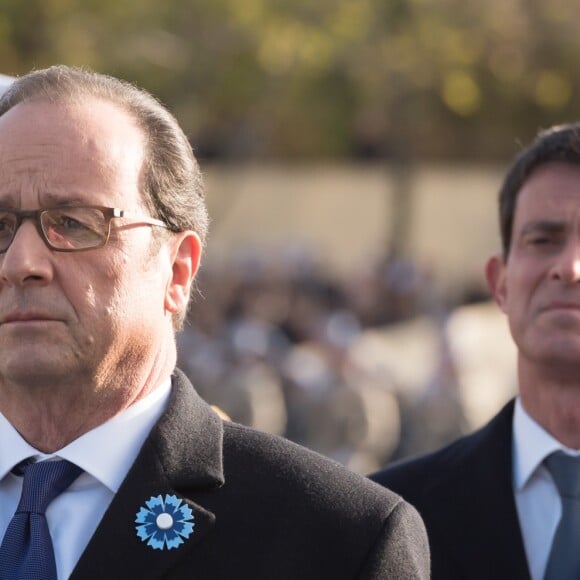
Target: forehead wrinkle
[36, 174]
[71, 156]
[14, 183]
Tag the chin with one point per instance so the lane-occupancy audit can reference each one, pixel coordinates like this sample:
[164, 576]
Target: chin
[34, 372]
[561, 357]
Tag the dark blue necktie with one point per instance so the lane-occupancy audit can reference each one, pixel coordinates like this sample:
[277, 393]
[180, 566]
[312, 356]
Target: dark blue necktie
[564, 560]
[26, 552]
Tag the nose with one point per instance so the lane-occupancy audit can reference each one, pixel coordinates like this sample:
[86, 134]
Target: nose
[566, 267]
[27, 260]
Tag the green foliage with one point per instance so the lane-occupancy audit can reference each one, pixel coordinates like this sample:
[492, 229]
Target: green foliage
[331, 78]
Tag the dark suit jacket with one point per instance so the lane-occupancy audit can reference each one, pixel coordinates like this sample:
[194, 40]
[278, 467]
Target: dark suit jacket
[464, 494]
[264, 508]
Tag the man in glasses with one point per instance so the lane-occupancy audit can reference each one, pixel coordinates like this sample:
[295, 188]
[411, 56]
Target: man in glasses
[111, 466]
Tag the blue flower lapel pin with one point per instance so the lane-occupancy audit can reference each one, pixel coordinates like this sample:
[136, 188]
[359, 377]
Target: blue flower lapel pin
[164, 522]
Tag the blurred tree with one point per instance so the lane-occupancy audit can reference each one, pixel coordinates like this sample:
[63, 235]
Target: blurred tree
[429, 79]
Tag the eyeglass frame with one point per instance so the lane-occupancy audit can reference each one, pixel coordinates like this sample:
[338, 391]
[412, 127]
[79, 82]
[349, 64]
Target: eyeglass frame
[109, 213]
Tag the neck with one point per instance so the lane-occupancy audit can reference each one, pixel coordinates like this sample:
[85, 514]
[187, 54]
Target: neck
[551, 395]
[50, 422]
[51, 416]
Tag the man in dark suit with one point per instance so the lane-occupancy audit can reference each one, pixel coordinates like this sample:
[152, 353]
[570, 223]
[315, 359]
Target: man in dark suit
[494, 502]
[111, 466]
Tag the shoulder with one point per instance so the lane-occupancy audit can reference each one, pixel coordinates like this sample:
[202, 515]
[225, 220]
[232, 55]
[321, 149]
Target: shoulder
[271, 460]
[320, 500]
[417, 477]
[307, 482]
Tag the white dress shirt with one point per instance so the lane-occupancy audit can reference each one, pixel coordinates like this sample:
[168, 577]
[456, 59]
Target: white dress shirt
[537, 500]
[105, 454]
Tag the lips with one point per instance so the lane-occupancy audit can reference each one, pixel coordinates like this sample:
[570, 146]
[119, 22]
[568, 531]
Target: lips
[26, 317]
[566, 308]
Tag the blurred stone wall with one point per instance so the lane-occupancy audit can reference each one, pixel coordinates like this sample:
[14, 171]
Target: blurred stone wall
[343, 214]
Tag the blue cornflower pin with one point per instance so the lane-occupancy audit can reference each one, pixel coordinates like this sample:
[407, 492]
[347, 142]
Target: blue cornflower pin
[165, 522]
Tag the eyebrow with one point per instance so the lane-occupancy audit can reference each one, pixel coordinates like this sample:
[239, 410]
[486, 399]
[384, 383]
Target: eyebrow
[55, 199]
[546, 226]
[7, 200]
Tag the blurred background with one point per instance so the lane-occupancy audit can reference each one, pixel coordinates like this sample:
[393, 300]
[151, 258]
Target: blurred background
[353, 150]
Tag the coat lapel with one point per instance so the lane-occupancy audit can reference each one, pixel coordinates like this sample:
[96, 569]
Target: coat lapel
[475, 506]
[182, 455]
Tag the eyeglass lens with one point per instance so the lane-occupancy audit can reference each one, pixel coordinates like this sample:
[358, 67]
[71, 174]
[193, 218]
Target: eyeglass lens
[67, 228]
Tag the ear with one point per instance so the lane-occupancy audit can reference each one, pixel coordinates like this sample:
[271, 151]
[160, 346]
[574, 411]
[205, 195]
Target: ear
[495, 273]
[186, 259]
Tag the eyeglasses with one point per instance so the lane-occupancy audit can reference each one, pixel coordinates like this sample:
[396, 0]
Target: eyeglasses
[67, 229]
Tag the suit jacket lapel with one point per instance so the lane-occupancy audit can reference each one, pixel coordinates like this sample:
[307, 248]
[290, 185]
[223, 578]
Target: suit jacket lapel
[182, 454]
[476, 506]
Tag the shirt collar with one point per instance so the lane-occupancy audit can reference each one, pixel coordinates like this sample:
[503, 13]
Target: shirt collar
[13, 448]
[107, 451]
[532, 444]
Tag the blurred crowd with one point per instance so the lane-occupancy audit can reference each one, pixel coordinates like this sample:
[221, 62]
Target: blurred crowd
[286, 346]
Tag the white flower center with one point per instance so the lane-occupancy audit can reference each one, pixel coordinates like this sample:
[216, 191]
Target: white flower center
[164, 521]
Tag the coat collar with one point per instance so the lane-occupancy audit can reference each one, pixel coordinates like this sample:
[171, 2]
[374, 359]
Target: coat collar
[188, 438]
[182, 457]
